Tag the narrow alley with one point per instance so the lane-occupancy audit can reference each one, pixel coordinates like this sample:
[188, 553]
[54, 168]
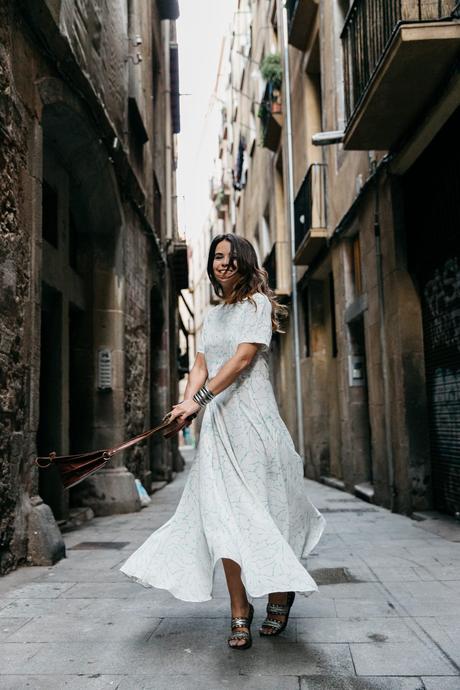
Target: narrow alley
[386, 617]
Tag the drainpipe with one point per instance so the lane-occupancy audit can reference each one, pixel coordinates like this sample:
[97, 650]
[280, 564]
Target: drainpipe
[291, 224]
[384, 350]
[168, 296]
[168, 127]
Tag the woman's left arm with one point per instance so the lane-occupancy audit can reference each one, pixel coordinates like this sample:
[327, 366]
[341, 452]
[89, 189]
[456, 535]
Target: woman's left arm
[227, 374]
[232, 368]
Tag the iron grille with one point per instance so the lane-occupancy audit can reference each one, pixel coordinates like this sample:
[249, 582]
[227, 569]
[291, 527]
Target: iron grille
[291, 6]
[270, 267]
[310, 203]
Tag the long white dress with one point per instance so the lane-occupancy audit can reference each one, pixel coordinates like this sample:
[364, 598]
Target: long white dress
[245, 497]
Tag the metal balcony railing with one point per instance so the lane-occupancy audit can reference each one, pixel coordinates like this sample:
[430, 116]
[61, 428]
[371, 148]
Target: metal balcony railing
[368, 30]
[270, 111]
[310, 205]
[291, 6]
[270, 266]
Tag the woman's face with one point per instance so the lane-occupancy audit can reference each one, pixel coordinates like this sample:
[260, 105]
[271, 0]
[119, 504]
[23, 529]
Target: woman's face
[225, 271]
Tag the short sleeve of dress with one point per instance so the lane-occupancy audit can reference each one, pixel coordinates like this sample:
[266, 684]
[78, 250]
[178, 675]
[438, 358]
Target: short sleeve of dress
[256, 324]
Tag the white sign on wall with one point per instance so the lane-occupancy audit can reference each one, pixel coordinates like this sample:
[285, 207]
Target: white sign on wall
[104, 369]
[356, 370]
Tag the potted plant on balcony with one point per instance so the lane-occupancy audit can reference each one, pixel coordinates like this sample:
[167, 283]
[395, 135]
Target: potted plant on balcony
[272, 72]
[220, 203]
[270, 109]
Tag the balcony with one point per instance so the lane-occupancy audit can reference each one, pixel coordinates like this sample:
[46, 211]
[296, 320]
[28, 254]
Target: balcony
[310, 211]
[178, 262]
[397, 54]
[301, 16]
[271, 118]
[277, 264]
[221, 202]
[214, 188]
[270, 266]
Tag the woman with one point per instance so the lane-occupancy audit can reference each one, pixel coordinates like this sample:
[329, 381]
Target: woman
[244, 501]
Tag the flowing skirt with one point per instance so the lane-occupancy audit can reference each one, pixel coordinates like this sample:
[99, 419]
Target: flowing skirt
[244, 499]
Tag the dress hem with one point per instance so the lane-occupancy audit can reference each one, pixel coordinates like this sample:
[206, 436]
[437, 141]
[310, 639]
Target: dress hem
[307, 591]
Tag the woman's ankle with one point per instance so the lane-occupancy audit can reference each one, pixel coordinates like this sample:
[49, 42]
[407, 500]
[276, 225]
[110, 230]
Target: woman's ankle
[239, 608]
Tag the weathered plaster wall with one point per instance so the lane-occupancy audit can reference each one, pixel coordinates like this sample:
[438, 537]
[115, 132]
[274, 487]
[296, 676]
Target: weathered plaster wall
[64, 86]
[136, 336]
[14, 276]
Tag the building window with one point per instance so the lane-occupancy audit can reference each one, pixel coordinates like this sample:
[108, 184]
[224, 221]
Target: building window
[332, 311]
[266, 243]
[240, 171]
[137, 134]
[157, 206]
[341, 12]
[305, 298]
[50, 207]
[356, 266]
[73, 242]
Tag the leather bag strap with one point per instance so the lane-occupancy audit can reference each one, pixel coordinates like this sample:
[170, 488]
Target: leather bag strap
[107, 453]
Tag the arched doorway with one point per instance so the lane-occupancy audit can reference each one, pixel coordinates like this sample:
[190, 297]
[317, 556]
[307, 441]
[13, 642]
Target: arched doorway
[83, 288]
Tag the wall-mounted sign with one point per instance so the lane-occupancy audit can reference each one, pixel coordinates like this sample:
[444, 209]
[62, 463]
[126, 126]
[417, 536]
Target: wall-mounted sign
[104, 369]
[356, 370]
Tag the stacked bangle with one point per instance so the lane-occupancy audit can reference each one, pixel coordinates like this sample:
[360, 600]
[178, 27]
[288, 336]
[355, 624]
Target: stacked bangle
[203, 396]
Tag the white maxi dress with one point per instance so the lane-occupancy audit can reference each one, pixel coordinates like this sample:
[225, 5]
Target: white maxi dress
[245, 497]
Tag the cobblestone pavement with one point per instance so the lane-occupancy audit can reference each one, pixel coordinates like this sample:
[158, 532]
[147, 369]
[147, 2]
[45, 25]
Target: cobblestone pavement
[387, 615]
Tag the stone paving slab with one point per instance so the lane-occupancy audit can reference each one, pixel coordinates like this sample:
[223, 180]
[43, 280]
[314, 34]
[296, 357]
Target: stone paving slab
[340, 630]
[205, 654]
[60, 682]
[217, 682]
[400, 659]
[138, 682]
[39, 590]
[420, 590]
[364, 683]
[74, 628]
[105, 590]
[349, 608]
[28, 608]
[439, 572]
[354, 590]
[441, 683]
[392, 625]
[78, 574]
[8, 626]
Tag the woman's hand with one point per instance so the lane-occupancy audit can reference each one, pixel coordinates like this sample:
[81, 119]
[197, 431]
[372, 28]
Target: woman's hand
[185, 409]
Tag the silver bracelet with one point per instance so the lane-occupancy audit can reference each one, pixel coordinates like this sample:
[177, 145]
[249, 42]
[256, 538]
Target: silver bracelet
[203, 396]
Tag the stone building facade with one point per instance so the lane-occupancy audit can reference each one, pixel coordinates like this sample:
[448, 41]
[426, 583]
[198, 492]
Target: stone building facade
[375, 205]
[91, 262]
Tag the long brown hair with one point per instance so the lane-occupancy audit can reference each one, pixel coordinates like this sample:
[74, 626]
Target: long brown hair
[252, 278]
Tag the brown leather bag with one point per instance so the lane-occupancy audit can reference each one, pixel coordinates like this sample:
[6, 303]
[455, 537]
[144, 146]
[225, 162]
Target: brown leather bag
[75, 468]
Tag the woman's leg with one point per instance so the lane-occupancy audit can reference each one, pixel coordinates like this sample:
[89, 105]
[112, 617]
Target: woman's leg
[238, 599]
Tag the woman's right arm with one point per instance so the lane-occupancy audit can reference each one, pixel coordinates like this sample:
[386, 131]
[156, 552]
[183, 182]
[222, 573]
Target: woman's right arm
[197, 377]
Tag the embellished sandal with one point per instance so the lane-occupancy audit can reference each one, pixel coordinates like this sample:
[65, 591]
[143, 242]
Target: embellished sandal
[279, 610]
[242, 634]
